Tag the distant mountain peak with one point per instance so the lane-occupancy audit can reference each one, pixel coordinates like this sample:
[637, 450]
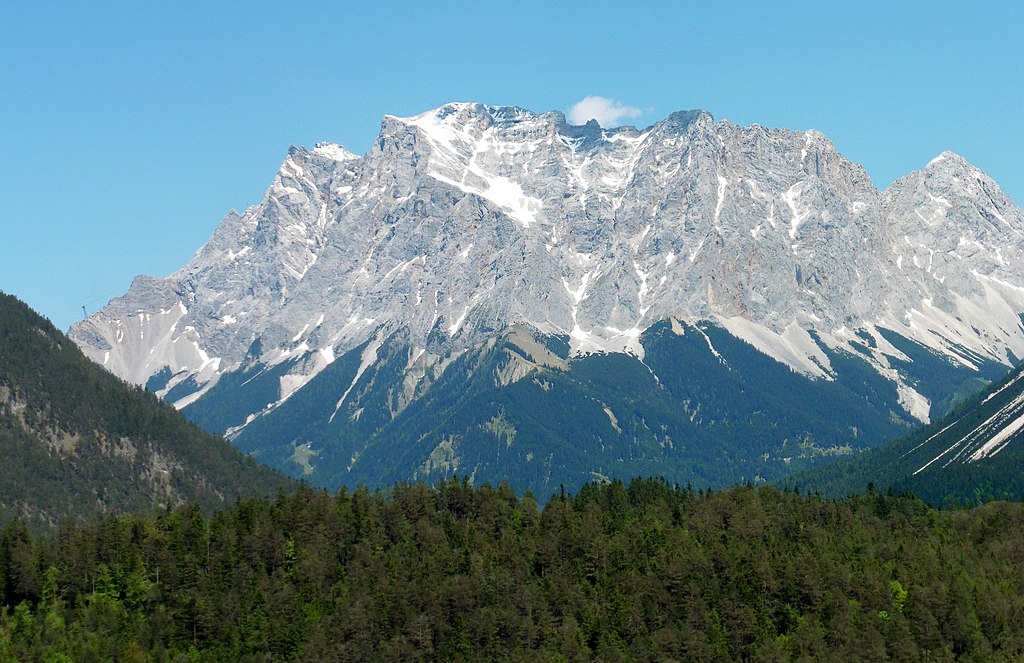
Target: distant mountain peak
[466, 220]
[945, 158]
[334, 151]
[582, 200]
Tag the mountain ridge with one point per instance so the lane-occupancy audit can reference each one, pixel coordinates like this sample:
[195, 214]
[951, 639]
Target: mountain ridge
[80, 442]
[466, 220]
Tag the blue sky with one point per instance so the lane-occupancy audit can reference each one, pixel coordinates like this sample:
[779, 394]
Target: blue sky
[128, 130]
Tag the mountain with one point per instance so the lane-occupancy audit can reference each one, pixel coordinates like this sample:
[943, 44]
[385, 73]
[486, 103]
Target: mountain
[498, 293]
[78, 441]
[972, 455]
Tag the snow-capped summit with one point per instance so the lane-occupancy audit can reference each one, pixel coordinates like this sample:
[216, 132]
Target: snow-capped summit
[465, 221]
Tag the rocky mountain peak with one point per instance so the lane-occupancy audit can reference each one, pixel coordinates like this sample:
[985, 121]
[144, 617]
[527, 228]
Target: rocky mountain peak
[467, 219]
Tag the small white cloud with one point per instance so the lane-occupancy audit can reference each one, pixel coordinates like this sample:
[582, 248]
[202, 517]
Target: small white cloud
[606, 111]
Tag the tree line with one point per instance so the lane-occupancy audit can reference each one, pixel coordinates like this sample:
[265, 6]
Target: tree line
[617, 572]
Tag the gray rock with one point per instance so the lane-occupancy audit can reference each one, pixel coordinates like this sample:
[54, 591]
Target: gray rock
[468, 219]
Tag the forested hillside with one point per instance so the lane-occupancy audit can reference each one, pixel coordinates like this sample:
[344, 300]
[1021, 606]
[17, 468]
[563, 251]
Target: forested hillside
[972, 455]
[77, 441]
[641, 572]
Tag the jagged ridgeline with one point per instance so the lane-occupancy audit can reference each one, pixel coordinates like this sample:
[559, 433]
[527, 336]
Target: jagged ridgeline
[972, 455]
[78, 441]
[498, 293]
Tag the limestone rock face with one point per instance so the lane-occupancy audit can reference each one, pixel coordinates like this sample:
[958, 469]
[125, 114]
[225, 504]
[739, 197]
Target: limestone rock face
[467, 220]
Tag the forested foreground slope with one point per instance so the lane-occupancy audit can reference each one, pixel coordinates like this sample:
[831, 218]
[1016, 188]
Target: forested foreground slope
[76, 441]
[644, 572]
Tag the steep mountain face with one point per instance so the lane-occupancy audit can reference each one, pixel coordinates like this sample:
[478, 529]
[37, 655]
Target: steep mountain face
[974, 454]
[470, 235]
[77, 441]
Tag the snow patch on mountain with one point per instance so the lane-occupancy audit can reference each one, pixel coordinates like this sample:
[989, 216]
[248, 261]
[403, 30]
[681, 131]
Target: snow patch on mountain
[985, 440]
